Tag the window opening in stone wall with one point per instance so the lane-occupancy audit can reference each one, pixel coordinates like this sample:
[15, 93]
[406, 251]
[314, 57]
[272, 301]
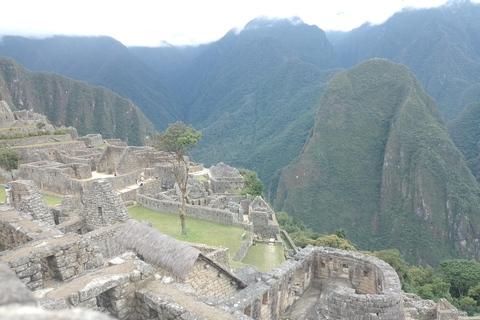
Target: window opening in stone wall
[248, 311]
[365, 273]
[47, 270]
[322, 264]
[103, 301]
[100, 211]
[265, 298]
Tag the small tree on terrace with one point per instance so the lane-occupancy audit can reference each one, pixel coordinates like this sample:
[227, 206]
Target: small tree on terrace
[178, 139]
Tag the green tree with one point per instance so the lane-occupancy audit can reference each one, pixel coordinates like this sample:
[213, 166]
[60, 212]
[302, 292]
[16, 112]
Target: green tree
[177, 140]
[334, 241]
[468, 304]
[9, 158]
[395, 259]
[435, 290]
[462, 274]
[474, 293]
[253, 185]
[341, 233]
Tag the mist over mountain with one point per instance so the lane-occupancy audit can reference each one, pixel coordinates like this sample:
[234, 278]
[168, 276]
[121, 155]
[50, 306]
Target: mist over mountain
[441, 46]
[380, 163]
[99, 61]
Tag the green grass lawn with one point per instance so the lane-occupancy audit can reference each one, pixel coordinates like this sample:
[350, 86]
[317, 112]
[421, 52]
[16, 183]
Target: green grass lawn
[2, 193]
[264, 256]
[198, 231]
[51, 199]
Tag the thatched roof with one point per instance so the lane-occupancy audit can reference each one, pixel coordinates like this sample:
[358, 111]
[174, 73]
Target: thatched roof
[158, 248]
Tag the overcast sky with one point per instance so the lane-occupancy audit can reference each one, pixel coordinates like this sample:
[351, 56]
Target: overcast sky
[187, 22]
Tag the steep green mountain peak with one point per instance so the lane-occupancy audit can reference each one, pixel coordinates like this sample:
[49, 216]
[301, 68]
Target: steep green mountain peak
[380, 164]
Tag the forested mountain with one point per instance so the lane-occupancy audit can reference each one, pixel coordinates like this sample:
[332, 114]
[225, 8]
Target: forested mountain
[73, 103]
[465, 132]
[258, 91]
[380, 164]
[254, 95]
[440, 45]
[99, 61]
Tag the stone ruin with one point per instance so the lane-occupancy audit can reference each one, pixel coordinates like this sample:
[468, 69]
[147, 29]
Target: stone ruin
[87, 258]
[224, 178]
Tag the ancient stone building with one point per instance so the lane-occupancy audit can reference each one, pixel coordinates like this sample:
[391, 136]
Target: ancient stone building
[163, 278]
[225, 179]
[88, 259]
[102, 206]
[263, 219]
[26, 199]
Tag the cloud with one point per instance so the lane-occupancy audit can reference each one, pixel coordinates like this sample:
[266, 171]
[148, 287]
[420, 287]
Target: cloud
[152, 23]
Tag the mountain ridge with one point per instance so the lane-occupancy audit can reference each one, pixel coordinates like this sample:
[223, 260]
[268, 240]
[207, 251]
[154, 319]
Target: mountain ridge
[386, 175]
[74, 103]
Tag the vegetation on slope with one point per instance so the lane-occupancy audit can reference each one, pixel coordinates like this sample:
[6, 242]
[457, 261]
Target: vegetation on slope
[73, 103]
[380, 164]
[456, 280]
[99, 61]
[440, 45]
[465, 133]
[269, 123]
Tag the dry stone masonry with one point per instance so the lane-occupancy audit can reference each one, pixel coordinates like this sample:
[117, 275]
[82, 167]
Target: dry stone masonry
[87, 259]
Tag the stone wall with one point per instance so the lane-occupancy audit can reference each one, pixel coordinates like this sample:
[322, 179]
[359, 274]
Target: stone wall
[242, 251]
[224, 178]
[11, 233]
[102, 206]
[53, 176]
[27, 199]
[220, 255]
[210, 282]
[110, 290]
[63, 257]
[200, 212]
[374, 292]
[274, 293]
[56, 258]
[38, 140]
[152, 186]
[91, 140]
[73, 225]
[33, 153]
[104, 240]
[263, 219]
[118, 160]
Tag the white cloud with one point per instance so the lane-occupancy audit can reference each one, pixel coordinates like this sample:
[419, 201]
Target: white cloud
[149, 23]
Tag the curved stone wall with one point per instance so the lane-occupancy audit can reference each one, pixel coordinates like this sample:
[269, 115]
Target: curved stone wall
[364, 287]
[373, 289]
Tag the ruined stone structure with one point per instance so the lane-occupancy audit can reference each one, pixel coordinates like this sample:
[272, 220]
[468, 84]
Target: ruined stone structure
[225, 179]
[102, 206]
[263, 219]
[93, 269]
[89, 253]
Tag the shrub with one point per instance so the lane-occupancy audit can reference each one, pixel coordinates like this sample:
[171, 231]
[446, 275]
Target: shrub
[9, 158]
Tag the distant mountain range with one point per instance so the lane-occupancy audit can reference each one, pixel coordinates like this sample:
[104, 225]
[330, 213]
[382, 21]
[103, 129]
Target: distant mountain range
[380, 164]
[254, 94]
[74, 103]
